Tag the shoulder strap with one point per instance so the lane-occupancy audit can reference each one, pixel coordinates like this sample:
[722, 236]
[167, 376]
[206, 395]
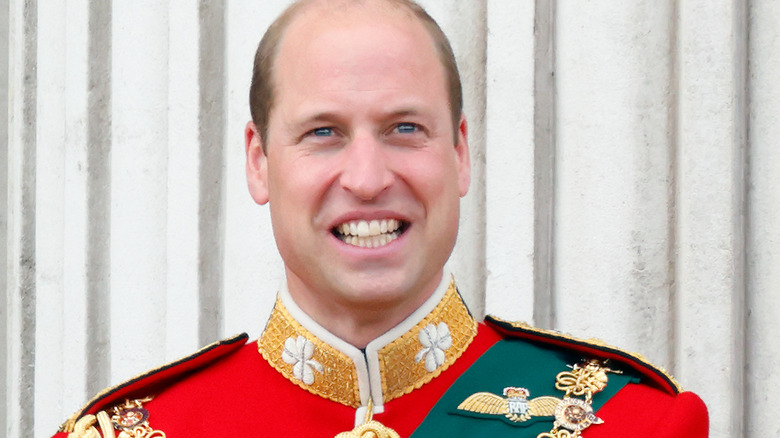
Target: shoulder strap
[656, 374]
[158, 377]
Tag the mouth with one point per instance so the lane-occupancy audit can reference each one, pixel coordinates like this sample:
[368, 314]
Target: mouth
[369, 234]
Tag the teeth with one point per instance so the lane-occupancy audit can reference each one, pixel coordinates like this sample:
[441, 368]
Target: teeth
[369, 234]
[364, 228]
[371, 241]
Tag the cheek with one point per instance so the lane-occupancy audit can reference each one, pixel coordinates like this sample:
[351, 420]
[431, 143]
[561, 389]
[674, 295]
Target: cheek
[433, 176]
[284, 192]
[296, 186]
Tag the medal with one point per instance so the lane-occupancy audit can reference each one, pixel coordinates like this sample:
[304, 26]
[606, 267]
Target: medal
[131, 419]
[571, 414]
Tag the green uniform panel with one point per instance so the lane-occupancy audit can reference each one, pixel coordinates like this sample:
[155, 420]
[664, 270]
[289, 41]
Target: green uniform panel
[511, 362]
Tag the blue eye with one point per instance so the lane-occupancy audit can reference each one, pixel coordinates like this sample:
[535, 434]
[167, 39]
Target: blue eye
[322, 132]
[406, 128]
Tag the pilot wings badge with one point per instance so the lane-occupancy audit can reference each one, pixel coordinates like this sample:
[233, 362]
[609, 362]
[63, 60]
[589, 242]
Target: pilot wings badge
[516, 407]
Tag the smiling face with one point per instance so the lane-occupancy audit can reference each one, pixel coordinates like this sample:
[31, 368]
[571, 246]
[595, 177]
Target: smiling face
[362, 173]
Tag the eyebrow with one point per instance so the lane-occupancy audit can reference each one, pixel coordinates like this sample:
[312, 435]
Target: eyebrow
[330, 116]
[405, 112]
[314, 118]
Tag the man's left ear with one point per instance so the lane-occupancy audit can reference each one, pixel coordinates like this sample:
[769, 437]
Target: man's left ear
[464, 160]
[256, 165]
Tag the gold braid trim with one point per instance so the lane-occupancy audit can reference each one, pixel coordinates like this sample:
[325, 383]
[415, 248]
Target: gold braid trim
[400, 373]
[335, 376]
[338, 380]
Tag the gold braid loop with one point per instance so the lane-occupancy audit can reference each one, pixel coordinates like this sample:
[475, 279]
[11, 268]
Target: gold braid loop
[584, 379]
[563, 433]
[106, 425]
[370, 428]
[85, 427]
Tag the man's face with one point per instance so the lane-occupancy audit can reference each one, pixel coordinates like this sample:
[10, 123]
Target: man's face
[362, 173]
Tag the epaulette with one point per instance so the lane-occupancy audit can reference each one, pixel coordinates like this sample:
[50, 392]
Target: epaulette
[157, 378]
[659, 376]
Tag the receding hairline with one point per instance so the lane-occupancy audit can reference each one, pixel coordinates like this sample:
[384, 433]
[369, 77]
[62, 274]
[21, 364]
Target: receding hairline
[302, 7]
[339, 8]
[408, 8]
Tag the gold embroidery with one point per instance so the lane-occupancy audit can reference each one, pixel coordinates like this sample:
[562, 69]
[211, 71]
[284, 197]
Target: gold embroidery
[338, 381]
[400, 372]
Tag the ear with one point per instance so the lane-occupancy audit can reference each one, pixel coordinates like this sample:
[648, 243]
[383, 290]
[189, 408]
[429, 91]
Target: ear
[256, 165]
[462, 156]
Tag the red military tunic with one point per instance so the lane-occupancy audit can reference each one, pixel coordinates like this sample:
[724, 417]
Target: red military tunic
[300, 380]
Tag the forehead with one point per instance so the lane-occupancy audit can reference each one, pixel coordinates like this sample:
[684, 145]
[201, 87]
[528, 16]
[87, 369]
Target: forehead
[316, 16]
[360, 44]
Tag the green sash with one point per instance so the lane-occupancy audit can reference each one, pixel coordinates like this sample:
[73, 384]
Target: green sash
[510, 362]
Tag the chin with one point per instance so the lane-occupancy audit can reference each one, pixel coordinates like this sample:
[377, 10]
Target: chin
[374, 292]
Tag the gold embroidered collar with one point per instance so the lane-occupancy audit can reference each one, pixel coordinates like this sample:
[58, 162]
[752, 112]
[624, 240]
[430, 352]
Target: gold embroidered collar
[398, 362]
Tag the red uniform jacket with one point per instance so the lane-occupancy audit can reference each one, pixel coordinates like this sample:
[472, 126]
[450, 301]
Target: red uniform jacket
[291, 382]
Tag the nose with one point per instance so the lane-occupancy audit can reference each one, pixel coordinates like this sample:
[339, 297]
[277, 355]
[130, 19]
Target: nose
[366, 171]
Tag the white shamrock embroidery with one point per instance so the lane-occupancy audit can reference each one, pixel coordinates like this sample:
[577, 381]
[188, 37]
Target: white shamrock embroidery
[298, 353]
[435, 340]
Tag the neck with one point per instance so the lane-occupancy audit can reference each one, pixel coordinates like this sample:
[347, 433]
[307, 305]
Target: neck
[358, 322]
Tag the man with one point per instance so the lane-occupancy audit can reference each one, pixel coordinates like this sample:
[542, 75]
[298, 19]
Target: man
[359, 146]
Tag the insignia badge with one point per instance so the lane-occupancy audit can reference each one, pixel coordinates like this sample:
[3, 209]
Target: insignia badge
[575, 414]
[516, 407]
[571, 415]
[131, 419]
